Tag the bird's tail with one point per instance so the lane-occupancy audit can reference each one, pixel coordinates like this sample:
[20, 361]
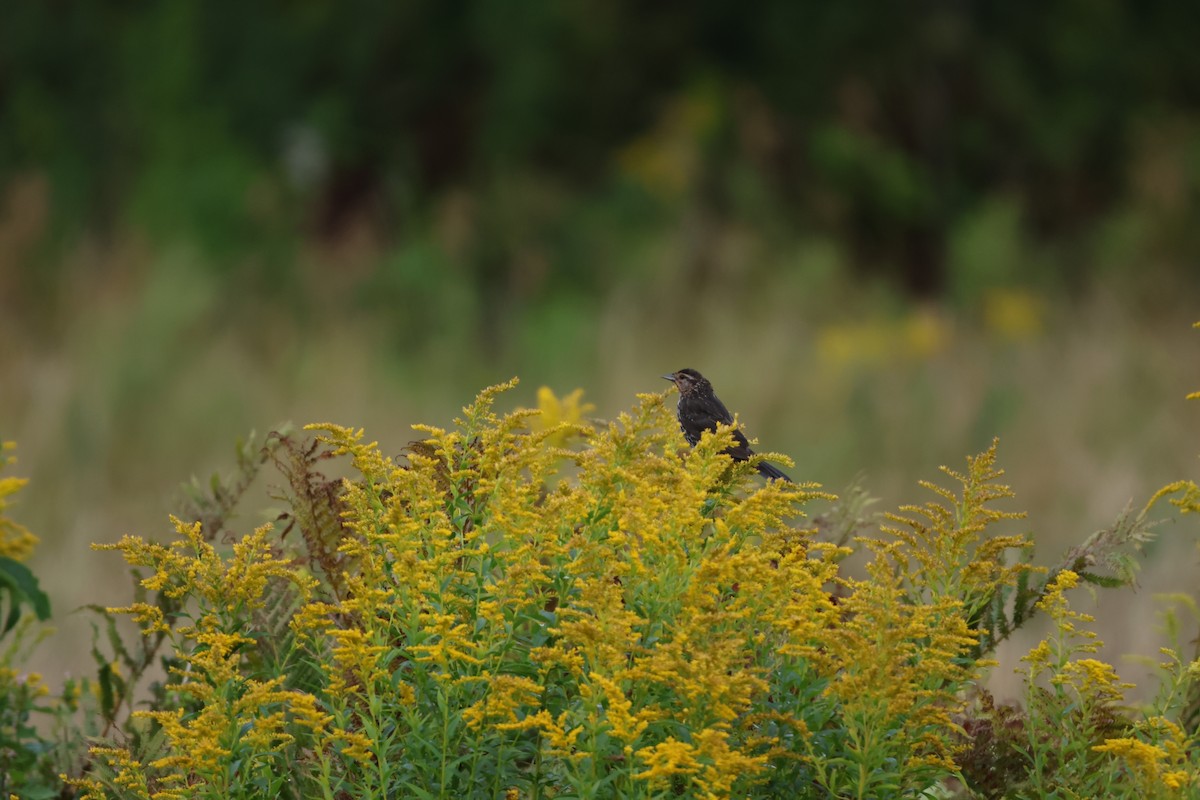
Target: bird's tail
[771, 471]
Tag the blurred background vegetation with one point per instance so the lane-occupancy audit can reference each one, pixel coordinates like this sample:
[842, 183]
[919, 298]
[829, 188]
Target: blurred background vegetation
[887, 232]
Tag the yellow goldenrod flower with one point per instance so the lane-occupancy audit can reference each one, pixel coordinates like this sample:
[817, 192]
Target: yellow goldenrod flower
[651, 621]
[668, 758]
[558, 417]
[16, 542]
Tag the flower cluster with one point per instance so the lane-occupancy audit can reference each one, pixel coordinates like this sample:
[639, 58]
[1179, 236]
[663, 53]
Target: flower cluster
[531, 604]
[16, 542]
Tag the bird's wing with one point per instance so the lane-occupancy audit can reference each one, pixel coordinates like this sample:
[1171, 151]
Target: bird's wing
[701, 414]
[694, 423]
[713, 407]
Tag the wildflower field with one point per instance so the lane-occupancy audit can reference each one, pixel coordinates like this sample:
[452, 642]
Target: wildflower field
[536, 605]
[965, 237]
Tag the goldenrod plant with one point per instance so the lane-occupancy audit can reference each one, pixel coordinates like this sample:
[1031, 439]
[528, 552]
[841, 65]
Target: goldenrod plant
[30, 758]
[533, 604]
[16, 542]
[1074, 735]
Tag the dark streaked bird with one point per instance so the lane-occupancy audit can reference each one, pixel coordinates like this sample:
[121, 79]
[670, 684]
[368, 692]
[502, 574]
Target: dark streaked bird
[700, 410]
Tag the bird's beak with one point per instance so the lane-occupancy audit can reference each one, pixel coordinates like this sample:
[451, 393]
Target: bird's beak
[670, 378]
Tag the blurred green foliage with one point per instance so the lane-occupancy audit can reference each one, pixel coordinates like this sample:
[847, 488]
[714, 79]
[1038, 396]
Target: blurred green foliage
[214, 216]
[523, 136]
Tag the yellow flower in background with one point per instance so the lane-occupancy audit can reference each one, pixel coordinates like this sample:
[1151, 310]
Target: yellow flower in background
[922, 333]
[16, 542]
[1013, 313]
[664, 160]
[555, 412]
[1008, 314]
[852, 344]
[925, 333]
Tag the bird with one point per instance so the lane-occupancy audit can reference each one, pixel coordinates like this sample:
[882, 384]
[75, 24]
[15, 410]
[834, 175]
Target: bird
[699, 410]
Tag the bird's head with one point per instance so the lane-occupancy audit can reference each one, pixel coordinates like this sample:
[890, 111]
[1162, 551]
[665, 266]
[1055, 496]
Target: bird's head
[687, 380]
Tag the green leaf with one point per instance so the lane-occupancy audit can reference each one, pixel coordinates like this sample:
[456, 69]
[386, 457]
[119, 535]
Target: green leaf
[22, 585]
[107, 700]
